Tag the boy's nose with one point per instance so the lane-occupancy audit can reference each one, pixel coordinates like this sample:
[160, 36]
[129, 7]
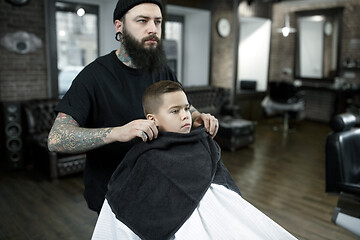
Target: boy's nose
[184, 115]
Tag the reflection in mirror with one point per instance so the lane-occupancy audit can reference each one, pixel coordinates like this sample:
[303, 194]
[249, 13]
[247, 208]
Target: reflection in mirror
[318, 46]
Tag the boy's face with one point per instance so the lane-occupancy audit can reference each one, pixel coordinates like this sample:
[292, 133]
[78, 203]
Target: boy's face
[174, 113]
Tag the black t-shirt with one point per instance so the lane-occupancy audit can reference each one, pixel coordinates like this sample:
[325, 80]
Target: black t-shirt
[106, 93]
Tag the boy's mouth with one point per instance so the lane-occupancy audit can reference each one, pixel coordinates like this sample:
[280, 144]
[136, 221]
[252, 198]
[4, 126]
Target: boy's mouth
[187, 125]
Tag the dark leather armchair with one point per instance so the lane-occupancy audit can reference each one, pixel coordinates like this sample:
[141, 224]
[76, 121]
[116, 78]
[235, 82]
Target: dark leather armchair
[40, 117]
[342, 151]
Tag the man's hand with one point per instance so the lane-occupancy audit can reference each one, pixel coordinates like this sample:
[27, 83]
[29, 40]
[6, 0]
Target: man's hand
[211, 124]
[144, 129]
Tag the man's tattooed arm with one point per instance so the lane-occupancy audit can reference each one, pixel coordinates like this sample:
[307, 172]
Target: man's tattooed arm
[68, 137]
[194, 113]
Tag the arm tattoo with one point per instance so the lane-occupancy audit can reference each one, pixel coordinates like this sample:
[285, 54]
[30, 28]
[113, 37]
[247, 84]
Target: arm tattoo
[194, 116]
[192, 110]
[67, 136]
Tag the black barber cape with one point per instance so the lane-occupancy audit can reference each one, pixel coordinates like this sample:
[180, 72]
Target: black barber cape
[159, 184]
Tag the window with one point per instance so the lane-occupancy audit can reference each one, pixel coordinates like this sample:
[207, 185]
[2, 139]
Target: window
[77, 40]
[173, 44]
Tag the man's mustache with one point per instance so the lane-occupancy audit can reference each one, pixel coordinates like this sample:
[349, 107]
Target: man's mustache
[151, 38]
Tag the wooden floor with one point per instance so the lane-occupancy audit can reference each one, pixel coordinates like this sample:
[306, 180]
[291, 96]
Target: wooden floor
[283, 176]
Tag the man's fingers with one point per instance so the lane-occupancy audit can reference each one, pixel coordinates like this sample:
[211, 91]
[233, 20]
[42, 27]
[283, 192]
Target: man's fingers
[148, 130]
[206, 121]
[154, 130]
[151, 130]
[144, 136]
[211, 124]
[214, 127]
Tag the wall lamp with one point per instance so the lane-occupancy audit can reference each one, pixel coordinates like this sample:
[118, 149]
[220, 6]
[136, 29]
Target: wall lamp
[286, 30]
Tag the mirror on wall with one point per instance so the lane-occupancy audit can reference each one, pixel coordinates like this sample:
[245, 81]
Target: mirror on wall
[318, 44]
[194, 42]
[253, 53]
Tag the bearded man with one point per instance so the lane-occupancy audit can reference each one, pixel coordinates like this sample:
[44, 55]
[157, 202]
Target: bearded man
[101, 114]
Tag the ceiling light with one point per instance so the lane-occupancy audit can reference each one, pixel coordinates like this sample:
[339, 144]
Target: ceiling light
[286, 29]
[80, 12]
[62, 33]
[318, 18]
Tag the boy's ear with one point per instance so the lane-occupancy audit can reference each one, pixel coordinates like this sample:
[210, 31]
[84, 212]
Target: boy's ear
[149, 116]
[153, 118]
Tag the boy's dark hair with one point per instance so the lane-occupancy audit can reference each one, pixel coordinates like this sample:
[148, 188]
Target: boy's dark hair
[152, 97]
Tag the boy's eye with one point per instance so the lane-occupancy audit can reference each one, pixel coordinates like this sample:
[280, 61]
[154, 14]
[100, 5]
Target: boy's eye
[187, 108]
[158, 22]
[174, 111]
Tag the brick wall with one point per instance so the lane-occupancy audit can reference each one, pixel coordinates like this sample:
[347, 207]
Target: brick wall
[282, 49]
[222, 58]
[23, 76]
[223, 49]
[351, 30]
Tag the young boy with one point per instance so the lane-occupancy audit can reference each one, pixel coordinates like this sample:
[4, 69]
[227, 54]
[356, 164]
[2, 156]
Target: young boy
[166, 104]
[176, 187]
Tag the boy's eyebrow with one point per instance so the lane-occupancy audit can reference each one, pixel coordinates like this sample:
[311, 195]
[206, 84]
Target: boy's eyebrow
[178, 106]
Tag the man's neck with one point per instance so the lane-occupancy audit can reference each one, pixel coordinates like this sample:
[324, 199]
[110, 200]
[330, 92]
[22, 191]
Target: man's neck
[124, 57]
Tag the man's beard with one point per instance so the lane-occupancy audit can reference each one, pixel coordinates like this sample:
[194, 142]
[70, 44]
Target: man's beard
[150, 59]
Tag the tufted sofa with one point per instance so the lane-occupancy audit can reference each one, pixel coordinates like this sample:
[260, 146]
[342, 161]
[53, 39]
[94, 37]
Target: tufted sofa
[40, 117]
[234, 131]
[209, 99]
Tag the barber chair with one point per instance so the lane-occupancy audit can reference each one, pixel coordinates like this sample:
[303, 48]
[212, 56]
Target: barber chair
[286, 99]
[342, 151]
[40, 117]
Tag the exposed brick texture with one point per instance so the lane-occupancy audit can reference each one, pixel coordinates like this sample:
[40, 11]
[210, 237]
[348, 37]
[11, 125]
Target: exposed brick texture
[23, 76]
[223, 53]
[222, 58]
